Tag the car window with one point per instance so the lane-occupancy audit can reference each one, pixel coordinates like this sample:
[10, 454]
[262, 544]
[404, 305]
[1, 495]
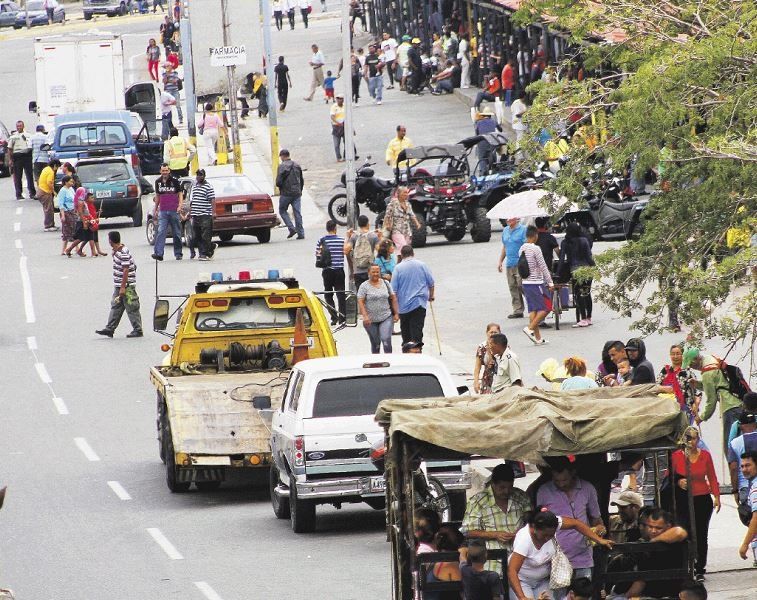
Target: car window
[233, 186]
[291, 384]
[249, 313]
[295, 401]
[112, 134]
[103, 172]
[35, 5]
[354, 396]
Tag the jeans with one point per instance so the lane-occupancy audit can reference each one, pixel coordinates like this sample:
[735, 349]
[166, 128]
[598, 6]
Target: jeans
[380, 334]
[22, 163]
[445, 85]
[376, 87]
[117, 308]
[176, 94]
[294, 201]
[702, 513]
[166, 218]
[356, 88]
[411, 325]
[729, 418]
[508, 97]
[290, 16]
[338, 140]
[481, 96]
[515, 284]
[283, 93]
[333, 280]
[359, 279]
[279, 16]
[210, 139]
[531, 588]
[304, 13]
[202, 225]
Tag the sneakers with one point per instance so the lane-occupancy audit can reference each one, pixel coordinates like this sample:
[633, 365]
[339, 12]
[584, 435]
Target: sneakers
[582, 323]
[156, 257]
[515, 315]
[378, 102]
[204, 258]
[292, 233]
[134, 334]
[529, 334]
[53, 228]
[104, 332]
[541, 342]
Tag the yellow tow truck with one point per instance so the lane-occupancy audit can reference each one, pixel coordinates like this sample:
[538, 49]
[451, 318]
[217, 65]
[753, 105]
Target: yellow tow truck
[234, 344]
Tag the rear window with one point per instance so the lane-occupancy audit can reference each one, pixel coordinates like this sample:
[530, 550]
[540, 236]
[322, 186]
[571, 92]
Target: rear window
[233, 186]
[249, 313]
[103, 172]
[92, 135]
[356, 396]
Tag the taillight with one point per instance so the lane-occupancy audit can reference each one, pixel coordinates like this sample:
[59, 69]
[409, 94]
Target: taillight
[132, 190]
[299, 451]
[262, 205]
[134, 160]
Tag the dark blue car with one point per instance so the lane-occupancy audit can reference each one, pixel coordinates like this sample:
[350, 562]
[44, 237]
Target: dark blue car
[38, 14]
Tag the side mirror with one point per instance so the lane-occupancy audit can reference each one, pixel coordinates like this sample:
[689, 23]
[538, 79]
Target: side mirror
[160, 315]
[350, 310]
[262, 402]
[33, 107]
[462, 389]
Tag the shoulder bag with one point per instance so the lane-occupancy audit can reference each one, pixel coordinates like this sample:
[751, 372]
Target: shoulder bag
[561, 571]
[323, 260]
[523, 269]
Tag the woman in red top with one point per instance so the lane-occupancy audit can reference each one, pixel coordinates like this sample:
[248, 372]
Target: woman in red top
[703, 483]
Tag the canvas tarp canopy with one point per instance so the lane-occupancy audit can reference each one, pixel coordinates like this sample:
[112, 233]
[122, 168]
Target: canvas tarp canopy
[526, 424]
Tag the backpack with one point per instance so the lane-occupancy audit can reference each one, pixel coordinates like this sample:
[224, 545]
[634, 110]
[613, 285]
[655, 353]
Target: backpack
[362, 253]
[323, 260]
[737, 383]
[523, 269]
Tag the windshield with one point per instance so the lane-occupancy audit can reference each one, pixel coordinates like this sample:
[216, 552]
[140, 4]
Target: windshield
[102, 172]
[355, 396]
[92, 135]
[249, 313]
[233, 186]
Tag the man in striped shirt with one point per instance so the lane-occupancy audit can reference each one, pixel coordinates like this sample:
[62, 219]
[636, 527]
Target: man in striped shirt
[201, 200]
[333, 271]
[125, 296]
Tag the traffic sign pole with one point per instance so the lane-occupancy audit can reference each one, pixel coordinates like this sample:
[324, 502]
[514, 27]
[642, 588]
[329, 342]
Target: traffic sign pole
[230, 73]
[273, 124]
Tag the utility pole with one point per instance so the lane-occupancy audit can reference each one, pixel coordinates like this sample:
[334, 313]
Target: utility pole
[349, 143]
[230, 73]
[189, 81]
[26, 14]
[273, 121]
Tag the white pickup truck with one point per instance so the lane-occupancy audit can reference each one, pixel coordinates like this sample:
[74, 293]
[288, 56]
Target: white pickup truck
[322, 432]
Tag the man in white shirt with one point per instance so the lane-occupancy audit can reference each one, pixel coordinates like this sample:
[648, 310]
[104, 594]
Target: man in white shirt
[305, 11]
[389, 48]
[508, 371]
[316, 62]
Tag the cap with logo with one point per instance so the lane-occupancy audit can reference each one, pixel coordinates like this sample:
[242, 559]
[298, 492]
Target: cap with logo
[627, 498]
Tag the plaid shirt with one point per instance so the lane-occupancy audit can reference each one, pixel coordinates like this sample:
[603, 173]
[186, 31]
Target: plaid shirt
[483, 514]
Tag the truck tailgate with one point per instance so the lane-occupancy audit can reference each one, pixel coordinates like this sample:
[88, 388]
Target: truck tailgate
[213, 414]
[344, 445]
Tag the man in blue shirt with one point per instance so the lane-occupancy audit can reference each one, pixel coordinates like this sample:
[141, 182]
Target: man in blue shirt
[513, 237]
[414, 285]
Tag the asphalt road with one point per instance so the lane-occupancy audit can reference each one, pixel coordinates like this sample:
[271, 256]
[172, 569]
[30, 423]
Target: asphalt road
[88, 514]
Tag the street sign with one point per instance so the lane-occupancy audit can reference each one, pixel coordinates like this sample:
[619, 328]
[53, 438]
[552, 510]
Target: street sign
[227, 56]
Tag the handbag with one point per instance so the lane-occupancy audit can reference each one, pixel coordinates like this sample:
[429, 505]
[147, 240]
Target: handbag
[523, 269]
[561, 571]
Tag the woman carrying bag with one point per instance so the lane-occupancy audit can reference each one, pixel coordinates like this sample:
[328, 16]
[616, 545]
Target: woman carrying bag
[399, 215]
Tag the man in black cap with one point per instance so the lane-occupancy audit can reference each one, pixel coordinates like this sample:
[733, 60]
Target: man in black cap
[496, 514]
[643, 371]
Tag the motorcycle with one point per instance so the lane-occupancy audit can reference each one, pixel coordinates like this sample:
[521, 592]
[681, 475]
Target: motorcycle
[370, 190]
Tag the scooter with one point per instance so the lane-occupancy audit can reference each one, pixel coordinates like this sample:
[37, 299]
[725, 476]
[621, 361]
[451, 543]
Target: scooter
[370, 190]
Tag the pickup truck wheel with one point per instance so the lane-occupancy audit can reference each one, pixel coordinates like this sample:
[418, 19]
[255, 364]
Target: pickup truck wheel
[457, 503]
[302, 511]
[207, 486]
[280, 505]
[177, 487]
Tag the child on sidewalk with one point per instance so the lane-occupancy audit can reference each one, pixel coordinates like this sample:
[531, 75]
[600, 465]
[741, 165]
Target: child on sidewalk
[328, 86]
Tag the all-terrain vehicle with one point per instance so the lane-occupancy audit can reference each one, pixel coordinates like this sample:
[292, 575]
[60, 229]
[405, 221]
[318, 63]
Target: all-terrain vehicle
[439, 179]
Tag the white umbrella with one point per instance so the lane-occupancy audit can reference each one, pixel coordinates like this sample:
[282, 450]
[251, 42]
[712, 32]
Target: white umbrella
[525, 204]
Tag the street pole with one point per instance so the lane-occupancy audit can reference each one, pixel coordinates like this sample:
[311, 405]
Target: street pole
[26, 14]
[230, 74]
[189, 82]
[273, 121]
[349, 143]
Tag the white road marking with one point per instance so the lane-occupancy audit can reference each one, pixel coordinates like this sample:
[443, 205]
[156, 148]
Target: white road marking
[118, 490]
[42, 372]
[163, 542]
[60, 405]
[86, 449]
[31, 342]
[19, 244]
[19, 210]
[207, 591]
[17, 227]
[26, 283]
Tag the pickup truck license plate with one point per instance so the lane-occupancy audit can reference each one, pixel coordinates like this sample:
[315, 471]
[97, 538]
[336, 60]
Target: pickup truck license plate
[378, 484]
[102, 194]
[238, 208]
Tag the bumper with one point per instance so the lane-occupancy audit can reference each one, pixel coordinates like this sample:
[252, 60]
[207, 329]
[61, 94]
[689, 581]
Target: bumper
[355, 487]
[116, 207]
[244, 223]
[209, 462]
[102, 10]
[453, 481]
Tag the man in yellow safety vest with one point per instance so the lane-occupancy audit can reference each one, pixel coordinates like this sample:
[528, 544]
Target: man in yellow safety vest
[178, 153]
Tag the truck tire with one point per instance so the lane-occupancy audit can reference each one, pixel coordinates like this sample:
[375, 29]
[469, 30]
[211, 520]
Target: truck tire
[302, 512]
[454, 235]
[419, 235]
[176, 487]
[482, 226]
[457, 503]
[280, 505]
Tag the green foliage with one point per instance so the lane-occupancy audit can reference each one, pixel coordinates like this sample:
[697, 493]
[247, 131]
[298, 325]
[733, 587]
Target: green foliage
[683, 80]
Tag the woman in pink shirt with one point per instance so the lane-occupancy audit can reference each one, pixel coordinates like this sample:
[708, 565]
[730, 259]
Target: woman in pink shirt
[210, 127]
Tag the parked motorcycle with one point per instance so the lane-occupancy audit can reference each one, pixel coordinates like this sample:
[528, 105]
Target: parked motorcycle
[370, 190]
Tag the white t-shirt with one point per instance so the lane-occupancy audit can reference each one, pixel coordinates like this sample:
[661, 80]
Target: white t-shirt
[517, 108]
[389, 47]
[537, 565]
[167, 102]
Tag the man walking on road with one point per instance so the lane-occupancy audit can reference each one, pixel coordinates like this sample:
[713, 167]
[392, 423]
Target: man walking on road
[125, 296]
[513, 237]
[283, 82]
[290, 182]
[414, 285]
[178, 153]
[172, 83]
[46, 191]
[39, 156]
[20, 152]
[331, 250]
[316, 62]
[168, 199]
[201, 200]
[337, 126]
[167, 102]
[372, 72]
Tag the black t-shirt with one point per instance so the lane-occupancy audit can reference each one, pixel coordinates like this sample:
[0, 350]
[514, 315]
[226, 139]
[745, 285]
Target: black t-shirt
[547, 243]
[643, 373]
[372, 62]
[281, 71]
[168, 30]
[414, 57]
[480, 585]
[457, 72]
[172, 186]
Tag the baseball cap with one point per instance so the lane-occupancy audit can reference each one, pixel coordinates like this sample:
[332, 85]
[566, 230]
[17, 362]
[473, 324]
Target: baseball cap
[405, 38]
[745, 418]
[688, 356]
[627, 498]
[416, 41]
[633, 344]
[340, 95]
[41, 128]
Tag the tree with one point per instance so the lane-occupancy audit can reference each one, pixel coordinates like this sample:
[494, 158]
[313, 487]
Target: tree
[677, 93]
